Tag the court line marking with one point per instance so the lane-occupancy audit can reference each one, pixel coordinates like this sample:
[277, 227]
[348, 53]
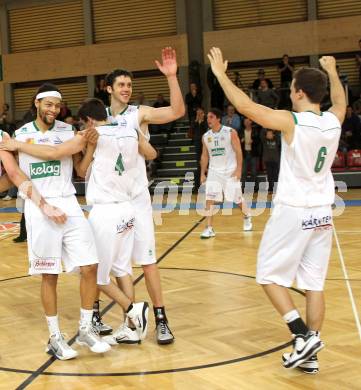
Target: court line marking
[348, 285]
[52, 359]
[170, 370]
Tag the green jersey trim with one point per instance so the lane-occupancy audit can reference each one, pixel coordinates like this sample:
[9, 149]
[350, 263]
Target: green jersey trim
[121, 113]
[49, 129]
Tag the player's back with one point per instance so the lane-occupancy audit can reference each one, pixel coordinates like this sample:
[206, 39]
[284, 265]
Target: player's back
[305, 178]
[113, 176]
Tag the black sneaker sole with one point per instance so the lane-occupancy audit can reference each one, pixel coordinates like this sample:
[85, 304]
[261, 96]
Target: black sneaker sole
[128, 342]
[106, 332]
[165, 342]
[316, 348]
[306, 370]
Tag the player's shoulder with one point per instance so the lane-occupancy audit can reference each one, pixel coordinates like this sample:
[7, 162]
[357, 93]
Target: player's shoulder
[27, 128]
[208, 133]
[62, 126]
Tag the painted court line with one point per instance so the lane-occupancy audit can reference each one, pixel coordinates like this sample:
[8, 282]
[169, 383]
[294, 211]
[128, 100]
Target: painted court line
[348, 285]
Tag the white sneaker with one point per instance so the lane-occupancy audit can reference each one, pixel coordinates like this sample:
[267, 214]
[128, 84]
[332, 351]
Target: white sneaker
[58, 347]
[139, 317]
[247, 224]
[89, 338]
[208, 232]
[123, 335]
[7, 197]
[303, 348]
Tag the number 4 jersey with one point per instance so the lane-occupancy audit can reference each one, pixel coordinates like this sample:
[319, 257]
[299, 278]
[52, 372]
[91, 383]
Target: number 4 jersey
[305, 178]
[114, 176]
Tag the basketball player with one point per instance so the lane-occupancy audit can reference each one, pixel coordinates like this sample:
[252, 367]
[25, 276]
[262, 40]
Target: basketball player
[49, 244]
[297, 240]
[112, 182]
[222, 152]
[119, 86]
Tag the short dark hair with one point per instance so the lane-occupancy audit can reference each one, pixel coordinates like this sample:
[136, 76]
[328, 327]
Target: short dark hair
[92, 108]
[46, 87]
[110, 77]
[216, 111]
[313, 83]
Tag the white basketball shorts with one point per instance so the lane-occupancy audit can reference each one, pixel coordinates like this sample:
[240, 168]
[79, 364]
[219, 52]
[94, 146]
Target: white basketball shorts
[296, 245]
[113, 230]
[219, 185]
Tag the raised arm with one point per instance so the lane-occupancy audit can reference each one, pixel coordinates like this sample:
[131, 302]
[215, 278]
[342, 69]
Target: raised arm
[204, 161]
[236, 145]
[338, 97]
[176, 109]
[266, 117]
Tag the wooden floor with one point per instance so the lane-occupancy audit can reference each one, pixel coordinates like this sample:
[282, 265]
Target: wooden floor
[227, 334]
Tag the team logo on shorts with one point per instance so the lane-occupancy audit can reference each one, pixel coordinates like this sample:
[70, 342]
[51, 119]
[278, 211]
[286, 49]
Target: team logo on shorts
[124, 226]
[317, 223]
[45, 169]
[44, 264]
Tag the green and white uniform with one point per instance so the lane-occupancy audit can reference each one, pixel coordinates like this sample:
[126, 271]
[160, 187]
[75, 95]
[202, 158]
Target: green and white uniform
[49, 243]
[144, 240]
[222, 164]
[112, 181]
[297, 240]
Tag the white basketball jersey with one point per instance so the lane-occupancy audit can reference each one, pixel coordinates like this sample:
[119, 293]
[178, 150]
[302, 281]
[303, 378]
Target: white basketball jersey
[51, 178]
[305, 178]
[222, 157]
[114, 173]
[128, 119]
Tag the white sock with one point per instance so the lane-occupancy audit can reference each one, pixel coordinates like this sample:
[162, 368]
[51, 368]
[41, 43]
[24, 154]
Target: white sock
[53, 325]
[85, 317]
[291, 316]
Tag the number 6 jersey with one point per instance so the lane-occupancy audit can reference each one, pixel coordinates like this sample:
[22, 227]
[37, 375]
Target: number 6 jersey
[305, 178]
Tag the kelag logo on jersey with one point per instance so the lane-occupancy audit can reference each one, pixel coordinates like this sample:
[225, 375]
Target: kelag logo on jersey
[45, 169]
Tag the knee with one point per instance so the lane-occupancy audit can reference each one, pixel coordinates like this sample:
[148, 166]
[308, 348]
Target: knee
[89, 270]
[50, 278]
[149, 268]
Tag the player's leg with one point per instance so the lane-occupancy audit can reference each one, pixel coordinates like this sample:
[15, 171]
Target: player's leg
[233, 193]
[214, 193]
[45, 260]
[311, 276]
[97, 320]
[279, 257]
[112, 225]
[79, 253]
[144, 254]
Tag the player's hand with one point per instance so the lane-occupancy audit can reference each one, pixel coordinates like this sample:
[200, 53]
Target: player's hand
[169, 62]
[92, 136]
[237, 174]
[203, 178]
[328, 63]
[218, 66]
[54, 213]
[9, 144]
